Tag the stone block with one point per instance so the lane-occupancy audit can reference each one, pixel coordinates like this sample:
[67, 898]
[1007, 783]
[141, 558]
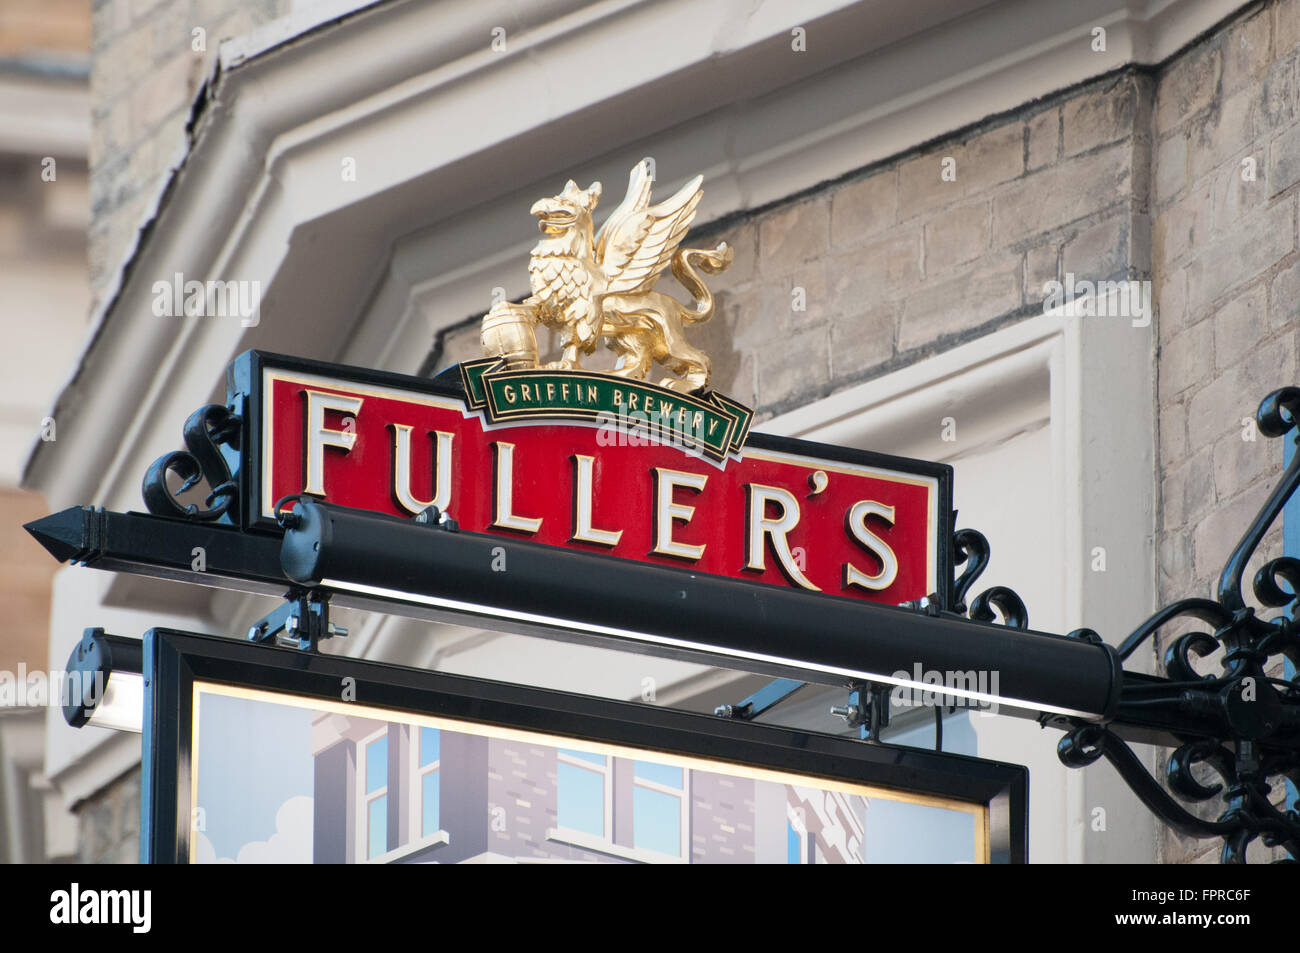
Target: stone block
[1286, 23]
[793, 235]
[1188, 85]
[1222, 133]
[864, 208]
[862, 341]
[1060, 194]
[1042, 264]
[1100, 117]
[1284, 161]
[1239, 188]
[1171, 304]
[1258, 242]
[1172, 424]
[941, 309]
[1184, 227]
[956, 236]
[883, 269]
[1099, 251]
[1240, 463]
[992, 158]
[1187, 360]
[1171, 167]
[1246, 51]
[797, 371]
[921, 186]
[1240, 326]
[1284, 297]
[1042, 139]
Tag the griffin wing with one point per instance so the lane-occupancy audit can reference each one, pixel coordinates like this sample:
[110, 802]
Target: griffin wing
[638, 240]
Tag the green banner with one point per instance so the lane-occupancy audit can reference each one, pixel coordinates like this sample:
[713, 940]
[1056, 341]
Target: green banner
[712, 423]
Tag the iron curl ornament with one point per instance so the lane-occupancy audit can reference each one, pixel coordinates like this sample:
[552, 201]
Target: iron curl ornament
[972, 552]
[205, 431]
[1242, 724]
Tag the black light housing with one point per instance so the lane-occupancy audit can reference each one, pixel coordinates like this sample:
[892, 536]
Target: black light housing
[104, 686]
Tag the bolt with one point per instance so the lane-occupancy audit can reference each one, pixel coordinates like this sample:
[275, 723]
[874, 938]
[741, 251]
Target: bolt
[848, 712]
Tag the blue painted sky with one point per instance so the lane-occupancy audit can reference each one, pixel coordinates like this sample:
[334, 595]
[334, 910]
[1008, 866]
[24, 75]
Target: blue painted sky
[253, 757]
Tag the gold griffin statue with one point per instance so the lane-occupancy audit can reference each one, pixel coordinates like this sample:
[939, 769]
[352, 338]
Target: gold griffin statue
[588, 287]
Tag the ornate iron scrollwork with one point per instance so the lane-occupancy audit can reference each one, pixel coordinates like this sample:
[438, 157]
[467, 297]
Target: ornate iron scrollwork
[971, 549]
[205, 431]
[1243, 724]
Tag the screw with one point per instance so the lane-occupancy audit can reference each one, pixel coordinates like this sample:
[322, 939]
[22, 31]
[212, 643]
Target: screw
[848, 712]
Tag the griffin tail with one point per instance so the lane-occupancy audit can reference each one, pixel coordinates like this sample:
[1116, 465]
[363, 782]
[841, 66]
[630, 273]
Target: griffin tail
[710, 261]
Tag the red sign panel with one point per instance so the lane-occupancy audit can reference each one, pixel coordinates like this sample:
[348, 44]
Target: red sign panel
[779, 511]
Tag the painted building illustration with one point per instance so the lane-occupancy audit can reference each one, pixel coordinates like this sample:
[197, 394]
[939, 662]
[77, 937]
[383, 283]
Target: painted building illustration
[396, 793]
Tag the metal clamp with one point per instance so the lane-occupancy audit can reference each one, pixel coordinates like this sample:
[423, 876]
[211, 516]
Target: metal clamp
[301, 623]
[867, 710]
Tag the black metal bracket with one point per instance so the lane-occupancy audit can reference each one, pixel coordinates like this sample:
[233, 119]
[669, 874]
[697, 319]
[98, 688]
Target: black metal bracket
[1243, 724]
[769, 696]
[301, 623]
[304, 619]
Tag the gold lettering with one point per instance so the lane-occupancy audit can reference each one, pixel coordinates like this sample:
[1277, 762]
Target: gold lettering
[856, 523]
[503, 515]
[442, 464]
[583, 494]
[759, 529]
[319, 436]
[667, 511]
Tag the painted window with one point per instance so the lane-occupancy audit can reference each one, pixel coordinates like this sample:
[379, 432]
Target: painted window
[428, 779]
[584, 792]
[659, 806]
[375, 775]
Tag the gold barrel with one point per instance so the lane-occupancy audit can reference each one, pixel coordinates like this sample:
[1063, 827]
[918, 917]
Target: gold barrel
[508, 334]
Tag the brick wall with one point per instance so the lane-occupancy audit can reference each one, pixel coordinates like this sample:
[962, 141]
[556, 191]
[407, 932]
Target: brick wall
[144, 75]
[1227, 280]
[110, 823]
[722, 819]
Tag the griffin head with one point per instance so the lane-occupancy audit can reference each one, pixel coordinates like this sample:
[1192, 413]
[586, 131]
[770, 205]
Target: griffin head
[560, 213]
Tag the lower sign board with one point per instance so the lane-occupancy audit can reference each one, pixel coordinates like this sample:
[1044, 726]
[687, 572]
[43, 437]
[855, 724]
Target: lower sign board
[369, 763]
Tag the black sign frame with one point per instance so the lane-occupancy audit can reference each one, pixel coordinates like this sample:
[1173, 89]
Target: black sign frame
[174, 660]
